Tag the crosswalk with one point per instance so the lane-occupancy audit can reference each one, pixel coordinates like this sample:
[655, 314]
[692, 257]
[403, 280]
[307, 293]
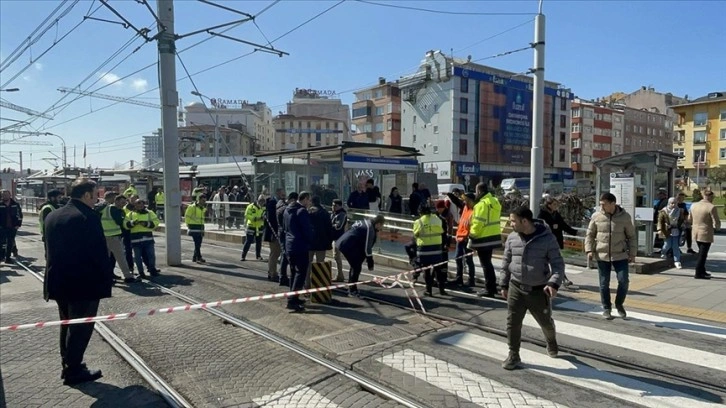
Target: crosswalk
[490, 389]
[299, 396]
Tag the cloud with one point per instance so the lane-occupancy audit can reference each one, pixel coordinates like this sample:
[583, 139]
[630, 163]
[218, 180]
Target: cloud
[38, 66]
[140, 84]
[110, 77]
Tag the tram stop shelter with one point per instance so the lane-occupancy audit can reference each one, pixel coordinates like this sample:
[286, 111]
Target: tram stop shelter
[635, 179]
[337, 167]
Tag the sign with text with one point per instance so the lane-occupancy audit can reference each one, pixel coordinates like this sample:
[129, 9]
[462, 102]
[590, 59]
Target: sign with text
[515, 126]
[441, 169]
[622, 186]
[379, 163]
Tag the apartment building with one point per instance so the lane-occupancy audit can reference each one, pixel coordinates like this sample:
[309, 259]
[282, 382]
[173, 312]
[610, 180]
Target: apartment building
[322, 104]
[647, 130]
[597, 133]
[199, 141]
[700, 134]
[377, 114]
[301, 132]
[255, 117]
[475, 121]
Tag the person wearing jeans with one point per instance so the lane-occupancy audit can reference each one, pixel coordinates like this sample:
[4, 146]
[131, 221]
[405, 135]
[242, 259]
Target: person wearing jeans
[670, 223]
[466, 203]
[610, 240]
[705, 222]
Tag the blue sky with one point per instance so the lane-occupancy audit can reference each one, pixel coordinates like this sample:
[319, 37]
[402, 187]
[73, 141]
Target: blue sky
[593, 47]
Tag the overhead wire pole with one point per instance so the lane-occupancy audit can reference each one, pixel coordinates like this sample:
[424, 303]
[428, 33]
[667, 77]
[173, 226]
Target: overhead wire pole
[537, 158]
[170, 135]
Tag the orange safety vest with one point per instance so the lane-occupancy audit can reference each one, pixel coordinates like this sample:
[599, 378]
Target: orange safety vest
[462, 232]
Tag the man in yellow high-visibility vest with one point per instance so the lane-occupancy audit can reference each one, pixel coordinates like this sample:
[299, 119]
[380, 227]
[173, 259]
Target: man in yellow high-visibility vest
[112, 221]
[485, 234]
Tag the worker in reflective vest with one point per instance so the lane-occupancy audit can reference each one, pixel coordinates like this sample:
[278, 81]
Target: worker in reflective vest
[113, 221]
[141, 224]
[130, 191]
[427, 231]
[194, 218]
[485, 234]
[254, 214]
[159, 200]
[53, 203]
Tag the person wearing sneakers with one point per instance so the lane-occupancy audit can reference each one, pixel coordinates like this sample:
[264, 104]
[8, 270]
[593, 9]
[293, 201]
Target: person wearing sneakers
[339, 219]
[610, 240]
[550, 214]
[194, 218]
[254, 214]
[532, 271]
[670, 227]
[705, 222]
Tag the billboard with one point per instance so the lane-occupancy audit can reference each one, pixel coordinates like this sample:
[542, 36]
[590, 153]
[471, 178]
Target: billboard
[515, 124]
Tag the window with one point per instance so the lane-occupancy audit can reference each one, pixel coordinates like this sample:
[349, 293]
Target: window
[464, 105]
[414, 138]
[699, 136]
[414, 119]
[378, 94]
[576, 113]
[575, 128]
[575, 144]
[616, 133]
[379, 127]
[563, 121]
[463, 126]
[436, 128]
[618, 118]
[588, 129]
[389, 124]
[722, 153]
[317, 138]
[699, 156]
[723, 115]
[436, 149]
[640, 129]
[563, 155]
[722, 134]
[563, 104]
[589, 113]
[379, 110]
[700, 118]
[463, 147]
[680, 152]
[464, 85]
[563, 138]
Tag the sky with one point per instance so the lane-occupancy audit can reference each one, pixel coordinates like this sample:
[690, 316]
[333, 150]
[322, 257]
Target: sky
[592, 47]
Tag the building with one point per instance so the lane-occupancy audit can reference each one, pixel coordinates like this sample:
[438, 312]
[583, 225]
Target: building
[647, 130]
[701, 135]
[255, 117]
[153, 150]
[650, 99]
[377, 114]
[474, 123]
[300, 132]
[597, 133]
[199, 141]
[319, 103]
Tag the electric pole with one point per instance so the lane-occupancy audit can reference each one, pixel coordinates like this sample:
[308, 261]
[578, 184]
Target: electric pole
[170, 136]
[537, 159]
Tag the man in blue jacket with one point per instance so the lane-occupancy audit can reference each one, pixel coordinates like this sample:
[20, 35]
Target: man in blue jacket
[298, 235]
[357, 246]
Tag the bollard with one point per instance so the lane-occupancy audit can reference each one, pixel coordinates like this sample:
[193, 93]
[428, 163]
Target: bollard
[320, 278]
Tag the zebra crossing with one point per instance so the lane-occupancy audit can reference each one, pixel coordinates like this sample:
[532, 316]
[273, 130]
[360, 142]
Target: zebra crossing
[486, 390]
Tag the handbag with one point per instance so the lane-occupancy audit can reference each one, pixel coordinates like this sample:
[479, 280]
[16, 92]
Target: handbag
[682, 239]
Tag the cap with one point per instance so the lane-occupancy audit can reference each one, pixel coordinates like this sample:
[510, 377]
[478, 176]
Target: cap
[440, 204]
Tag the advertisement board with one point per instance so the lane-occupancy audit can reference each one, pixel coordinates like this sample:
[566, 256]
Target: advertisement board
[622, 186]
[515, 124]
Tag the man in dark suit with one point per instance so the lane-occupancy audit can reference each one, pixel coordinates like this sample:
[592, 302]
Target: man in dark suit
[77, 275]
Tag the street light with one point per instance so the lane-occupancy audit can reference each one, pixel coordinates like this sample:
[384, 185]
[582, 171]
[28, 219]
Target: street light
[10, 90]
[216, 124]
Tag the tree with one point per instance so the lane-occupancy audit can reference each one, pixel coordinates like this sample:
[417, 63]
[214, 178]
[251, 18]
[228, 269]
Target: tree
[717, 176]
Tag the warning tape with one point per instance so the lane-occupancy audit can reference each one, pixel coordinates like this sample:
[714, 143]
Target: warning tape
[396, 281]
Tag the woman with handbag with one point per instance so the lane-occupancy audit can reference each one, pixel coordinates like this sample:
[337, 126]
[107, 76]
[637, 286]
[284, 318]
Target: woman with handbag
[670, 225]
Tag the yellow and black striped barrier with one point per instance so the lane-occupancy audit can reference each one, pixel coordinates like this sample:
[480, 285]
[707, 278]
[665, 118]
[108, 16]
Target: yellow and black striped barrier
[321, 278]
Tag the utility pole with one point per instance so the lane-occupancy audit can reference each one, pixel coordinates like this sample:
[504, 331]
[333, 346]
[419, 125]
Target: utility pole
[21, 162]
[537, 159]
[216, 138]
[170, 136]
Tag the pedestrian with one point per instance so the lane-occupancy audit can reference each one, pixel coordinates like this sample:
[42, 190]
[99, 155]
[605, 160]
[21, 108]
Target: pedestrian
[11, 219]
[141, 224]
[611, 241]
[235, 208]
[284, 259]
[322, 235]
[428, 233]
[485, 234]
[126, 233]
[271, 230]
[77, 275]
[151, 199]
[414, 201]
[339, 220]
[670, 222]
[705, 222]
[112, 221]
[53, 203]
[194, 218]
[374, 196]
[298, 235]
[160, 199]
[395, 202]
[131, 191]
[550, 214]
[254, 216]
[464, 254]
[687, 230]
[532, 271]
[356, 245]
[358, 199]
[220, 206]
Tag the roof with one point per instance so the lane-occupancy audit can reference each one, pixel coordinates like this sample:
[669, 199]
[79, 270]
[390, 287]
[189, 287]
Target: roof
[357, 148]
[710, 98]
[661, 159]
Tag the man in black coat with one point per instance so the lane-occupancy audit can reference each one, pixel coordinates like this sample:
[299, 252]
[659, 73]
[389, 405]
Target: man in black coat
[298, 235]
[322, 235]
[356, 245]
[77, 275]
[11, 218]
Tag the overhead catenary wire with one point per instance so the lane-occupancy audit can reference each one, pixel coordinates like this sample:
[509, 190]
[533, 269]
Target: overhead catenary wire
[456, 13]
